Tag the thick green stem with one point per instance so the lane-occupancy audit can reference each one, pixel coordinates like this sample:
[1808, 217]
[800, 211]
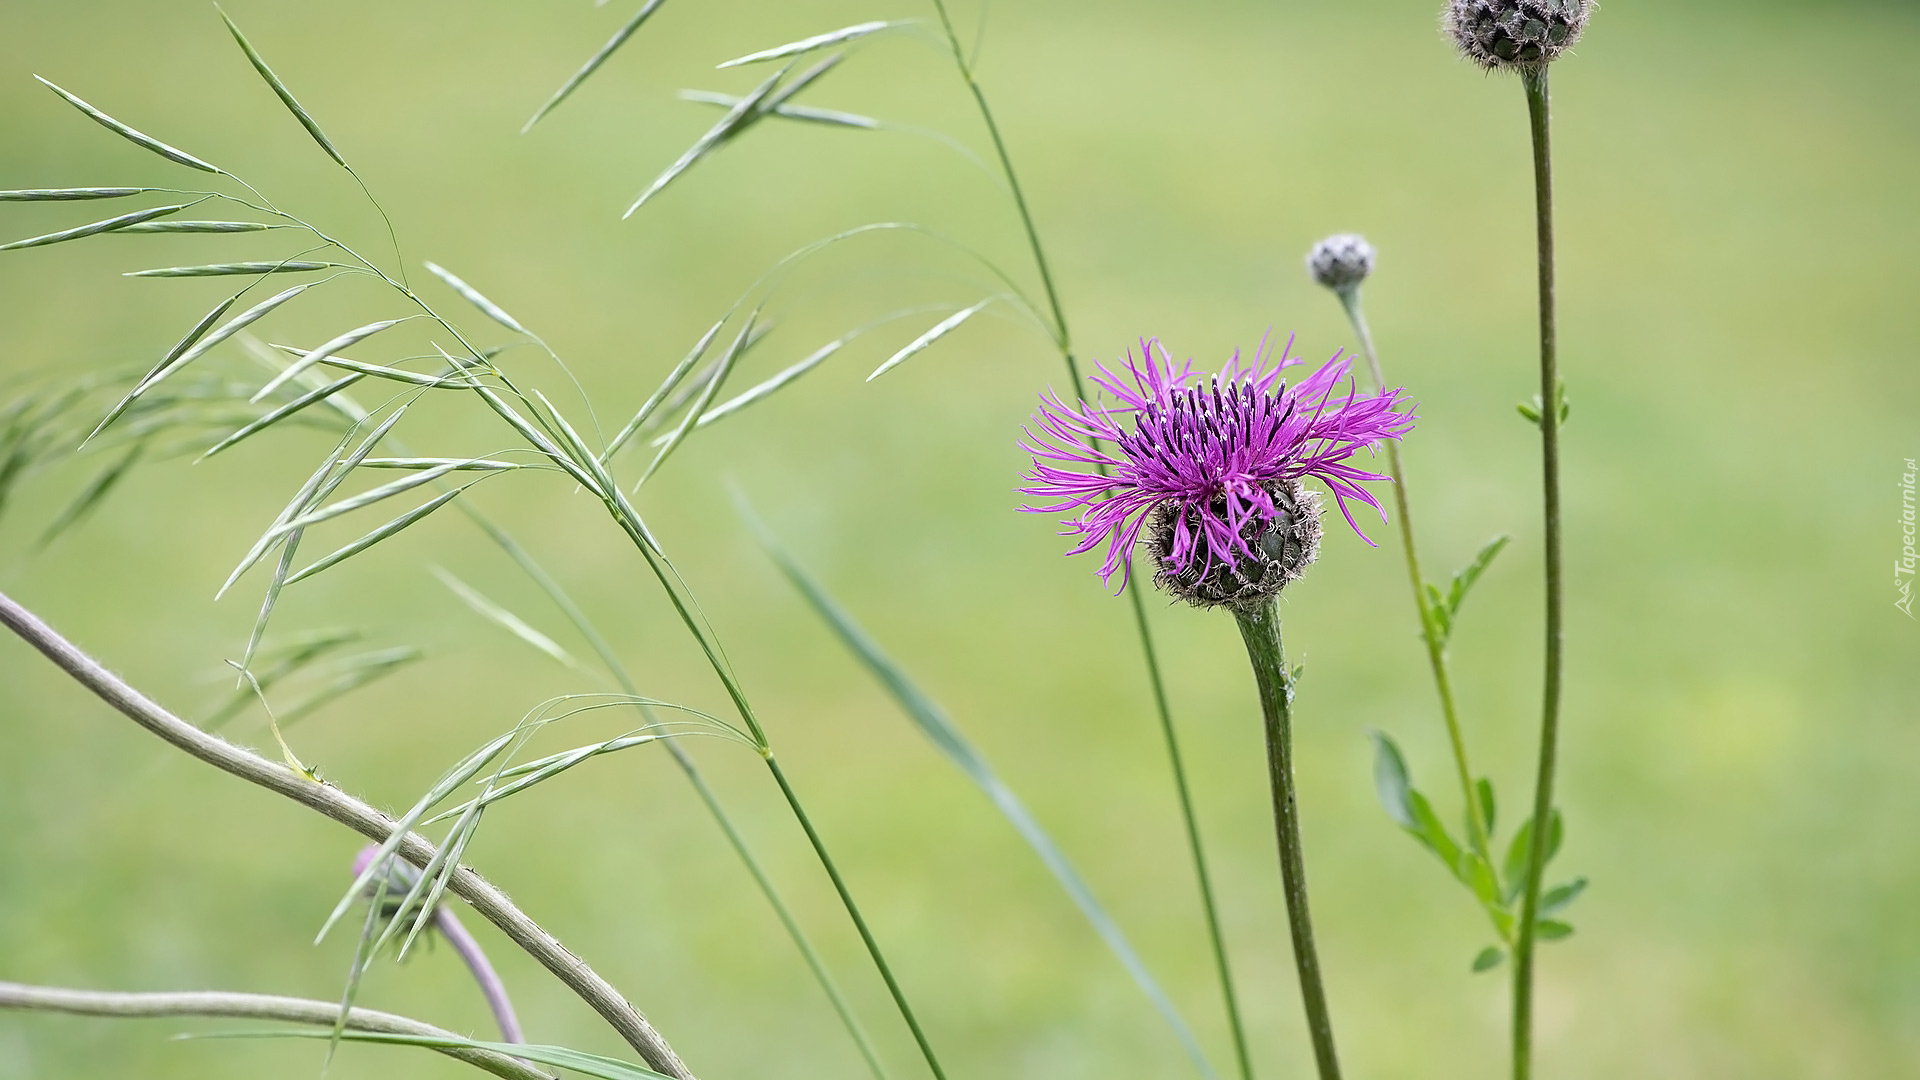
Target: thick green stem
[1536, 87]
[1429, 633]
[1261, 629]
[859, 923]
[1063, 338]
[1214, 935]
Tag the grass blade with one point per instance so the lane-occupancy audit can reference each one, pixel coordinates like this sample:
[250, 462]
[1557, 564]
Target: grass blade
[344, 341]
[935, 725]
[506, 620]
[919, 344]
[170, 153]
[792, 112]
[700, 403]
[280, 90]
[560, 1057]
[379, 534]
[69, 194]
[738, 119]
[666, 387]
[356, 672]
[199, 227]
[366, 498]
[769, 387]
[593, 63]
[109, 225]
[90, 496]
[818, 41]
[284, 411]
[233, 326]
[473, 296]
[284, 266]
[166, 362]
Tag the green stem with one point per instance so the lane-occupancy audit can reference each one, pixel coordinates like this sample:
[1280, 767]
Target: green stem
[1535, 82]
[1214, 935]
[1063, 338]
[860, 924]
[684, 760]
[1429, 633]
[1261, 630]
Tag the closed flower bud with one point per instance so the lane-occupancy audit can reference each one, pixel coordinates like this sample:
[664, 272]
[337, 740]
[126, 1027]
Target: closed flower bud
[1341, 262]
[1515, 34]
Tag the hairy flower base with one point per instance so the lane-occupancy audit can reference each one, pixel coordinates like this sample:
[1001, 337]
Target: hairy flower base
[1283, 547]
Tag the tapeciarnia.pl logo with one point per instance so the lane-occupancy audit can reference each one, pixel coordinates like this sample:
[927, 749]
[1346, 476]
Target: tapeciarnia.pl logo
[1904, 565]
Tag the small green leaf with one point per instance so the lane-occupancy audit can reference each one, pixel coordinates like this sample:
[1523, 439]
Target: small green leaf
[284, 266]
[919, 344]
[818, 41]
[1557, 898]
[69, 194]
[1520, 851]
[1552, 930]
[109, 225]
[280, 90]
[593, 62]
[1476, 873]
[472, 296]
[1484, 789]
[1463, 581]
[171, 154]
[1488, 959]
[1390, 780]
[1429, 831]
[198, 227]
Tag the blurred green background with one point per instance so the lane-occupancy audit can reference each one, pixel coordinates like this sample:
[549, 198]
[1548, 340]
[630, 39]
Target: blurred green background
[1737, 225]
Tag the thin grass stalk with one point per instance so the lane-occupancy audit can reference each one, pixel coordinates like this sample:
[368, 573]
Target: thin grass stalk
[684, 760]
[1261, 630]
[1063, 339]
[1535, 83]
[1429, 631]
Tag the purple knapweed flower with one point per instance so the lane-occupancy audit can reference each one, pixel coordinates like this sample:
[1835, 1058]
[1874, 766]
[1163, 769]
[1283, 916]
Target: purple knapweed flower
[1210, 470]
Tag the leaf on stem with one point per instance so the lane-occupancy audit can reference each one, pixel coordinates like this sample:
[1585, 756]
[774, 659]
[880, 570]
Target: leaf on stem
[280, 90]
[177, 156]
[593, 63]
[1488, 959]
[920, 344]
[95, 228]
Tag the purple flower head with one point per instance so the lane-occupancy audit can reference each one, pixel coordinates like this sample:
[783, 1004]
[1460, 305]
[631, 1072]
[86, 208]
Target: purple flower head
[1215, 465]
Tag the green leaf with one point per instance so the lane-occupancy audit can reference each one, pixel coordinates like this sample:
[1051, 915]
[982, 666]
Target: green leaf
[1476, 873]
[109, 225]
[919, 344]
[1552, 930]
[198, 227]
[1557, 898]
[506, 620]
[1429, 831]
[818, 41]
[1390, 780]
[1488, 959]
[472, 296]
[69, 194]
[149, 142]
[593, 63]
[940, 730]
[832, 117]
[560, 1057]
[280, 90]
[1520, 853]
[737, 119]
[1463, 581]
[284, 266]
[1483, 789]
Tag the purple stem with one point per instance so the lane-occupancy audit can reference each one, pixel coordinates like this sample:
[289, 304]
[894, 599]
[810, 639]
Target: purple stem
[483, 973]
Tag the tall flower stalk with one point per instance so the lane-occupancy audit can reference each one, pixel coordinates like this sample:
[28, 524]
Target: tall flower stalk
[1526, 36]
[1207, 476]
[1063, 340]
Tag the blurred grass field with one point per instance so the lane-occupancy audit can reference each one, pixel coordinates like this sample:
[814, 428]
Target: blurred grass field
[1737, 235]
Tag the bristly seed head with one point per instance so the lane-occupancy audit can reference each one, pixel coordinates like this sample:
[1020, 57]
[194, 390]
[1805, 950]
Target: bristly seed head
[1341, 262]
[1517, 35]
[1209, 470]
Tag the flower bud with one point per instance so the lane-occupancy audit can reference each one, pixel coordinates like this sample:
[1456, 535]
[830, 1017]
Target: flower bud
[1284, 545]
[1341, 262]
[1515, 34]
